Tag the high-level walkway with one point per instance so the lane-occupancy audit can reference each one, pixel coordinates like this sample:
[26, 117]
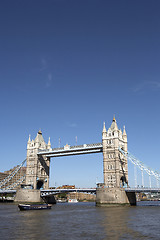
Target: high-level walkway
[72, 150]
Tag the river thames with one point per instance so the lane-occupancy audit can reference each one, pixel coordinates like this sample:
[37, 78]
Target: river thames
[81, 221]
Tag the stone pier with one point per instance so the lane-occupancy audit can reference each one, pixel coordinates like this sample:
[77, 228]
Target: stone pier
[28, 195]
[114, 196]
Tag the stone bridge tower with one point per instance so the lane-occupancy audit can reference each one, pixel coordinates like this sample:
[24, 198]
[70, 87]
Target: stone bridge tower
[37, 171]
[115, 166]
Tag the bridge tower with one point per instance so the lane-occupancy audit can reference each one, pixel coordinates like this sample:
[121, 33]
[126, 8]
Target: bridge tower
[37, 171]
[115, 168]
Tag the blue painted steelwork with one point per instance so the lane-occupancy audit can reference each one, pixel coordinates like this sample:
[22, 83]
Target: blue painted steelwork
[8, 178]
[58, 191]
[7, 191]
[140, 165]
[72, 150]
[17, 183]
[49, 192]
[144, 190]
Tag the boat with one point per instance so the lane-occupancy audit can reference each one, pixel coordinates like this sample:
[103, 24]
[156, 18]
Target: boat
[61, 200]
[23, 207]
[72, 200]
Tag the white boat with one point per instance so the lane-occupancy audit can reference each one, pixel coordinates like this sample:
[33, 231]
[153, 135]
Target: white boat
[61, 200]
[72, 200]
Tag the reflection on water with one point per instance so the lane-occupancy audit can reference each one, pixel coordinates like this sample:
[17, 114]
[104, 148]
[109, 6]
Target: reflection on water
[64, 221]
[136, 222]
[117, 223]
[82, 221]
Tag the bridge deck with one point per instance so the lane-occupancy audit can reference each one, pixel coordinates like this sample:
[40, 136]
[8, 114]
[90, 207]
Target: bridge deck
[138, 190]
[57, 191]
[84, 190]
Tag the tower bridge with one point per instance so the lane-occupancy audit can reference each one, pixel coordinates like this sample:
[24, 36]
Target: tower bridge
[115, 187]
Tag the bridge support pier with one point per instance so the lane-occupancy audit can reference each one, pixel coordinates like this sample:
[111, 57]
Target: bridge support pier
[28, 195]
[32, 196]
[114, 196]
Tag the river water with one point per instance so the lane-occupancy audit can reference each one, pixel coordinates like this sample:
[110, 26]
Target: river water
[81, 221]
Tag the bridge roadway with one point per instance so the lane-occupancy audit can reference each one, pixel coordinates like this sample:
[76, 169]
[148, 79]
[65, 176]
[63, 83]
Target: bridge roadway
[72, 150]
[84, 190]
[58, 191]
[55, 191]
[145, 190]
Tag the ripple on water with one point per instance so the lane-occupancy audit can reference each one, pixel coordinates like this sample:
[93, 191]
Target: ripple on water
[81, 221]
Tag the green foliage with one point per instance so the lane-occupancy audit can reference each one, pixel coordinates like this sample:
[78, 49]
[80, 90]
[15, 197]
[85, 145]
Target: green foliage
[62, 195]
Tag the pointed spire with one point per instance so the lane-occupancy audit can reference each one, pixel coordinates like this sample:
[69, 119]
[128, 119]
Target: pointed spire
[29, 139]
[49, 142]
[114, 124]
[104, 127]
[124, 131]
[29, 142]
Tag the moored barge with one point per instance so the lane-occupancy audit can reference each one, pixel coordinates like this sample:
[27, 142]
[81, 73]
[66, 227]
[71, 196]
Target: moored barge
[23, 207]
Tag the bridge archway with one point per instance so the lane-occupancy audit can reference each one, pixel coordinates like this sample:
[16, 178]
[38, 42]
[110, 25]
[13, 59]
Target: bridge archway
[123, 181]
[40, 184]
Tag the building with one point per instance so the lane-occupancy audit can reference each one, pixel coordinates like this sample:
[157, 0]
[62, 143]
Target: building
[81, 196]
[66, 187]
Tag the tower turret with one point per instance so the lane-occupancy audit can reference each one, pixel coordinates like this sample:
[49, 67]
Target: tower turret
[49, 144]
[104, 132]
[29, 142]
[125, 139]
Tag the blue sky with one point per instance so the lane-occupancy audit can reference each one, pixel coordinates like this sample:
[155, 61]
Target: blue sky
[68, 65]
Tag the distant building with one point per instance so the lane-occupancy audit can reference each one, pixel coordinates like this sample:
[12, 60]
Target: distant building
[3, 175]
[81, 196]
[66, 187]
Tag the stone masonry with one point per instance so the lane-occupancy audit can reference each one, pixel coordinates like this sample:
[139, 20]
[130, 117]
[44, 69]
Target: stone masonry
[115, 168]
[37, 172]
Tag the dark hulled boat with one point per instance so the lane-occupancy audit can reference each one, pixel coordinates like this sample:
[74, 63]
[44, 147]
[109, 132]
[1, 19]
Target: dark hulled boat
[23, 207]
